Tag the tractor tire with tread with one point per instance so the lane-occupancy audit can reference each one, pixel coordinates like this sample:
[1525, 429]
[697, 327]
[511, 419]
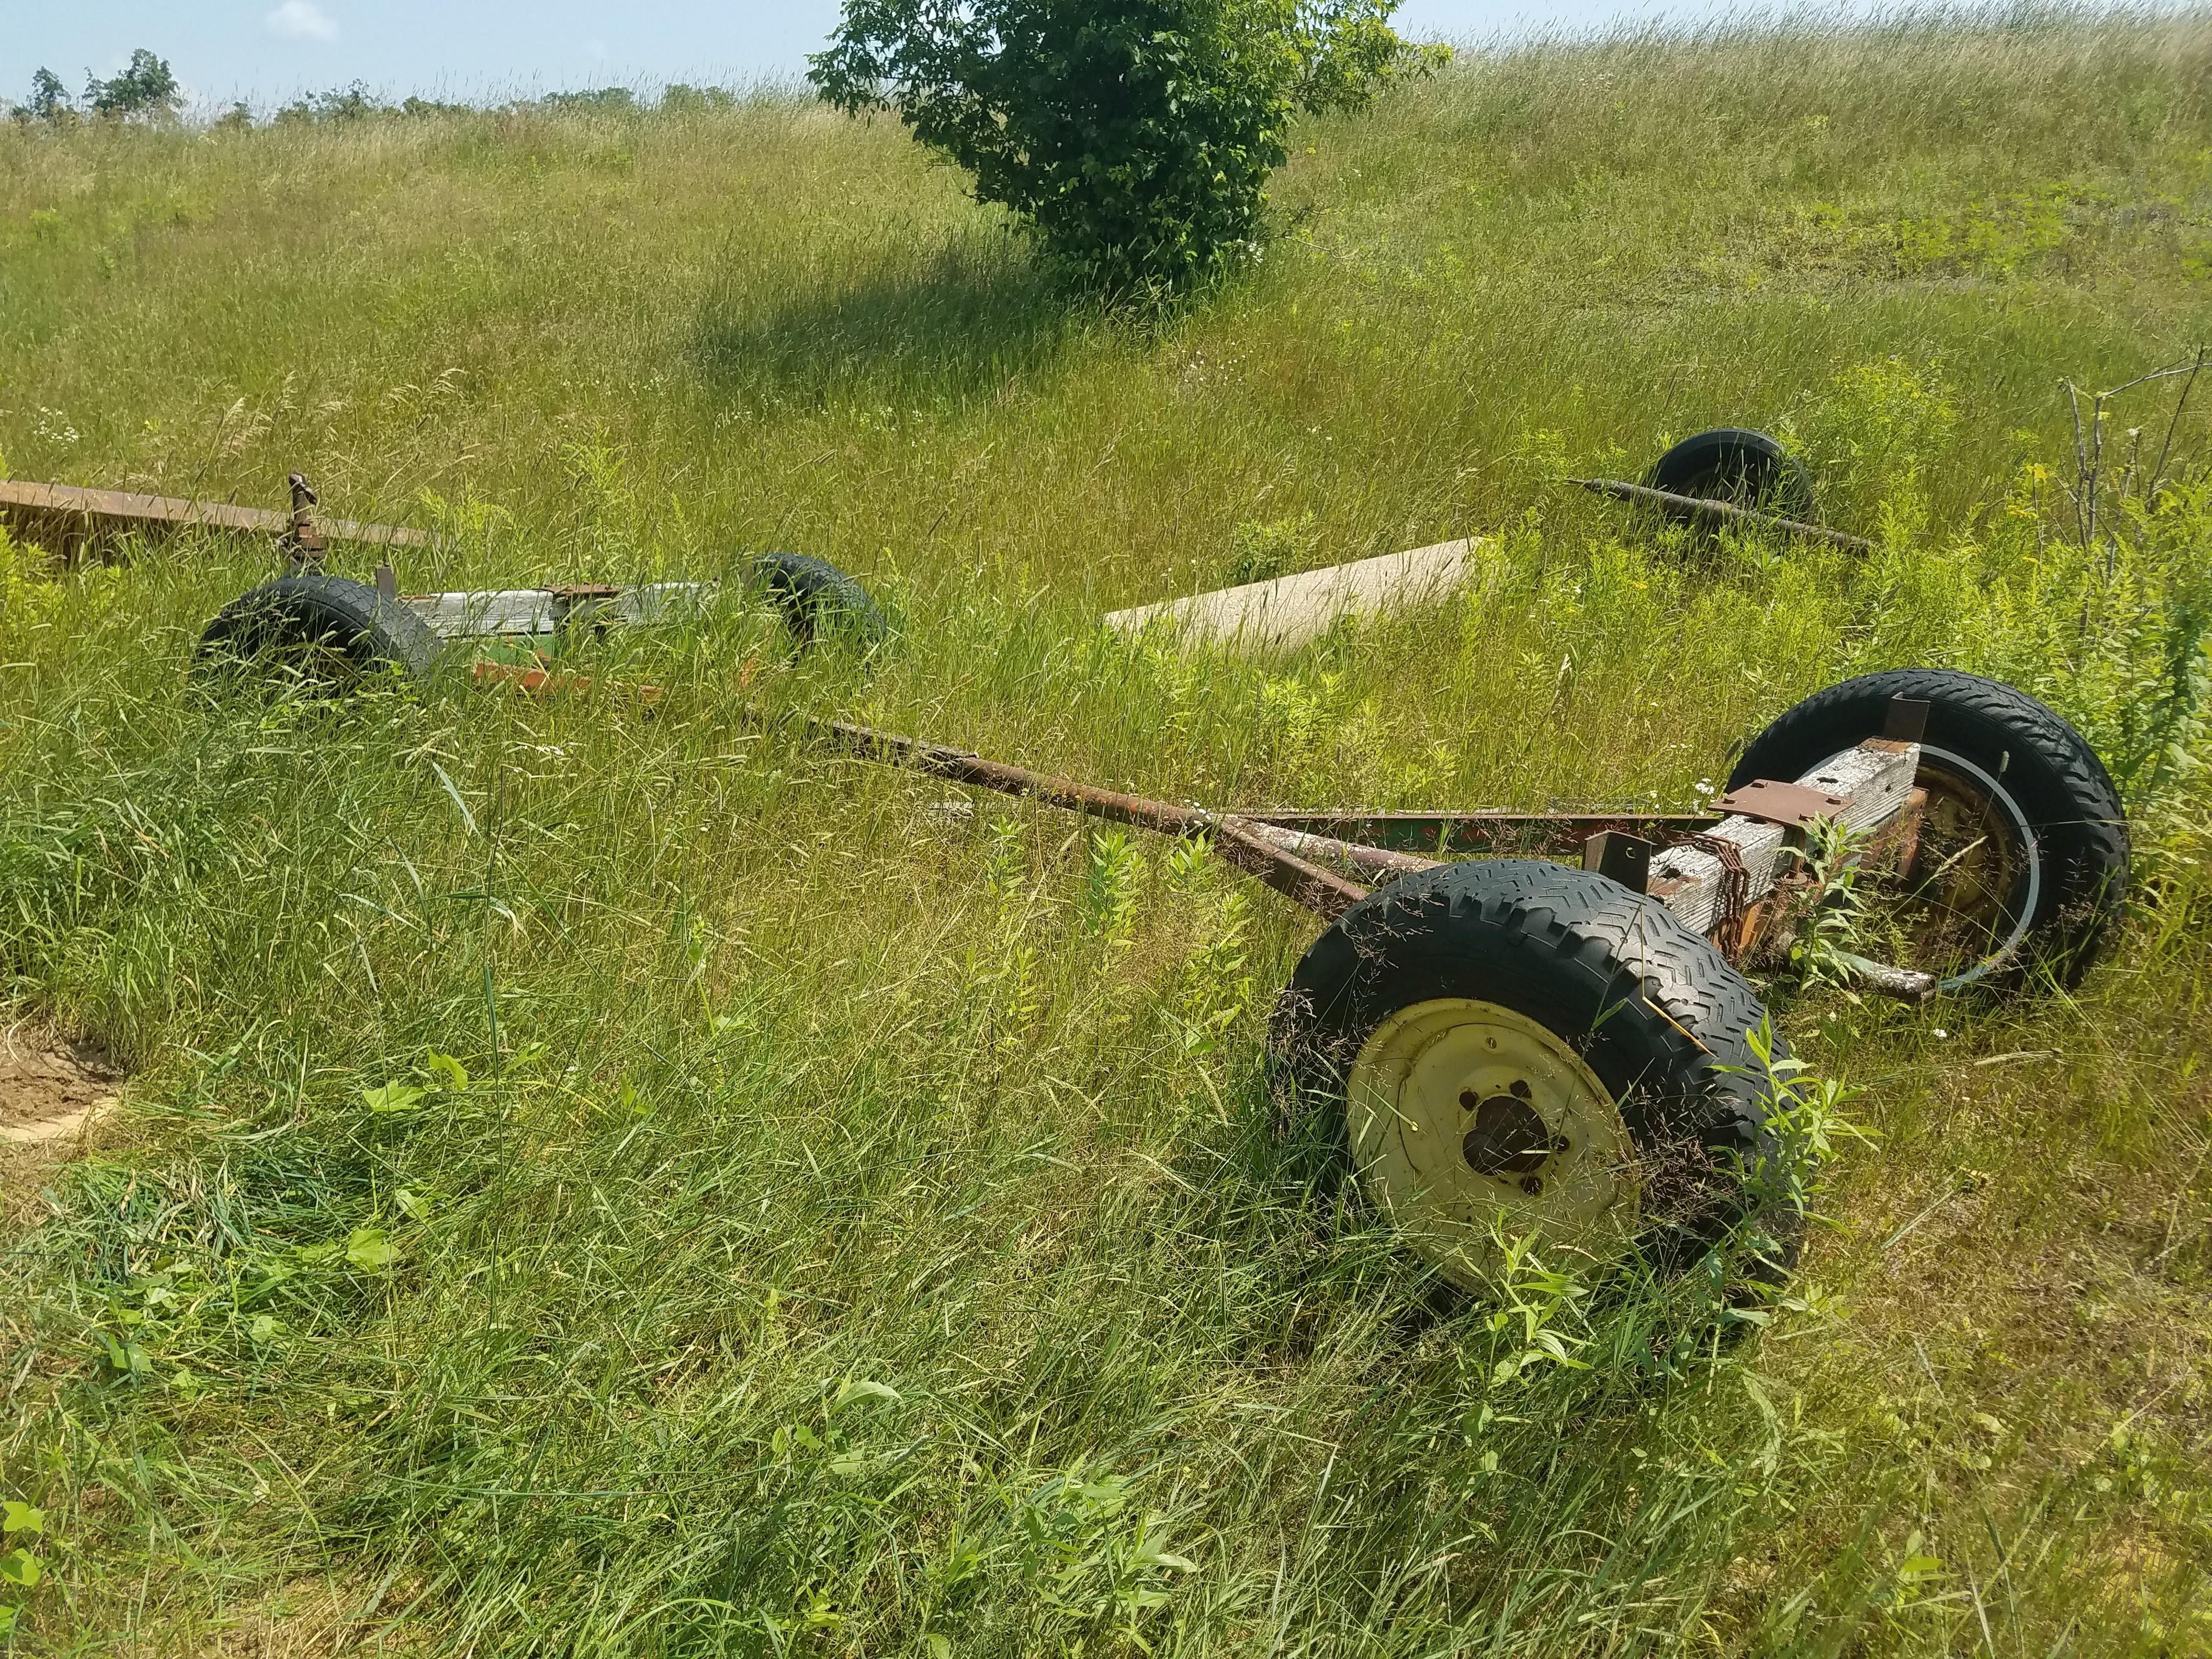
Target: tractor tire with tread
[350, 626]
[816, 598]
[2059, 786]
[1663, 1022]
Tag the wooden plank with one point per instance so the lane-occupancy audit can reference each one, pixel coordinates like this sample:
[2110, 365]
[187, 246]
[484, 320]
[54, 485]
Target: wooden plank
[1292, 609]
[1877, 776]
[1371, 863]
[505, 611]
[547, 610]
[79, 512]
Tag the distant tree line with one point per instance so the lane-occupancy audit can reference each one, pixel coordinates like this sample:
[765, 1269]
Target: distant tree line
[143, 91]
[147, 91]
[357, 103]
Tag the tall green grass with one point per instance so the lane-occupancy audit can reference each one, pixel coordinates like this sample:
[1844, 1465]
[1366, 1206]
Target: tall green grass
[603, 1179]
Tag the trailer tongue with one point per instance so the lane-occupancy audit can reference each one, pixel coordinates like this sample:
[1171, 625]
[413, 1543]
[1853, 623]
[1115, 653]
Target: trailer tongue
[1728, 880]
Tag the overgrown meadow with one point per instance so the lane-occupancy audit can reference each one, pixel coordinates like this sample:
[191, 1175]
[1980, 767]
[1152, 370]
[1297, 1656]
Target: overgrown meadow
[605, 1176]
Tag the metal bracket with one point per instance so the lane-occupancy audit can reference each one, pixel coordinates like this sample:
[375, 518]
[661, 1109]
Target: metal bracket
[1792, 806]
[1619, 856]
[302, 542]
[1907, 722]
[1735, 880]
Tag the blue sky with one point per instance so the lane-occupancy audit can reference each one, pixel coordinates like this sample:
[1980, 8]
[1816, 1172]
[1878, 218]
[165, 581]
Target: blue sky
[269, 51]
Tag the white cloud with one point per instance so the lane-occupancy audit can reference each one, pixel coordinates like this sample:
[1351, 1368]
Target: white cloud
[303, 20]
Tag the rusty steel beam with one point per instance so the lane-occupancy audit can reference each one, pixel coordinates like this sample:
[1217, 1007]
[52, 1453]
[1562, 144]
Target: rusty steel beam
[1324, 892]
[1481, 832]
[1267, 846]
[1258, 849]
[65, 518]
[1719, 512]
[1354, 858]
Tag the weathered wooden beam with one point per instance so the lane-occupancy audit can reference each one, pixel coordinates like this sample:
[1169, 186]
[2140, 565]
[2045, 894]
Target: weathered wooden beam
[492, 612]
[1480, 832]
[1869, 785]
[1368, 863]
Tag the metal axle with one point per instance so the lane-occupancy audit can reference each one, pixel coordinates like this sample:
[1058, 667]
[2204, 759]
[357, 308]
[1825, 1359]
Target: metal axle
[1719, 512]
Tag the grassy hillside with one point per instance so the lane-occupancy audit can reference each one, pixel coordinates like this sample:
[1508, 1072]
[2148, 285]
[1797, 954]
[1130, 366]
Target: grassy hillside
[860, 1229]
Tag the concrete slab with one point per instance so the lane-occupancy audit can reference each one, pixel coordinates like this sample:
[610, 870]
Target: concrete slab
[1292, 609]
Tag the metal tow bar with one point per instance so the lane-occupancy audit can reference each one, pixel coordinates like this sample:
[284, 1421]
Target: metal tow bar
[1719, 881]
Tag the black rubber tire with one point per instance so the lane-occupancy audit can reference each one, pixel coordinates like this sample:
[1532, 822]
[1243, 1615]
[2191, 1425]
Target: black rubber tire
[1653, 1009]
[2047, 767]
[1734, 465]
[817, 599]
[365, 632]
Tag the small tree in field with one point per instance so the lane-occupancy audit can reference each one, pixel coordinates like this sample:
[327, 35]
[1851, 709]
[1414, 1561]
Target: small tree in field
[145, 88]
[1136, 136]
[50, 99]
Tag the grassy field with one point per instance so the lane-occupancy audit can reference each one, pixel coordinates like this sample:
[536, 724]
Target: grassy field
[597, 1181]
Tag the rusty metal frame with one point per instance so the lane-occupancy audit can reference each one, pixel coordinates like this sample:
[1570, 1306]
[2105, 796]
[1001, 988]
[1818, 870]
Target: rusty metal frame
[1292, 858]
[1328, 874]
[1296, 862]
[1325, 860]
[67, 519]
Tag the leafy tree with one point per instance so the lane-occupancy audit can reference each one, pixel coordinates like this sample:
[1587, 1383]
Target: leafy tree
[340, 103]
[1349, 53]
[680, 98]
[144, 87]
[1136, 136]
[50, 99]
[613, 101]
[353, 103]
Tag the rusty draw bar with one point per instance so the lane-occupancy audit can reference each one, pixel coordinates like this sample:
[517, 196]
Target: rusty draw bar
[1719, 512]
[1242, 844]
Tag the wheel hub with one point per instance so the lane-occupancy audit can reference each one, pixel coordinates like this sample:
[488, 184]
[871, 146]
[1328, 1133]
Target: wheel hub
[1468, 1119]
[1507, 1137]
[1963, 903]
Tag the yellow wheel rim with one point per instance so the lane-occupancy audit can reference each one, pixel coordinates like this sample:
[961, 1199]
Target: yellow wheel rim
[1468, 1119]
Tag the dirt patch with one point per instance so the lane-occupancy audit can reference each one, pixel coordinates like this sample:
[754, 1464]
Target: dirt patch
[50, 1088]
[297, 1619]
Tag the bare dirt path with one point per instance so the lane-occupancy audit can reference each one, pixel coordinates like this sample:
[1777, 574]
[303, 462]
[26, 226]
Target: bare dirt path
[51, 1089]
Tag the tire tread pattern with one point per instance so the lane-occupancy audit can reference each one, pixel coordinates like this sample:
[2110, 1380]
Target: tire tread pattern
[300, 609]
[1653, 1008]
[2061, 786]
[815, 597]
